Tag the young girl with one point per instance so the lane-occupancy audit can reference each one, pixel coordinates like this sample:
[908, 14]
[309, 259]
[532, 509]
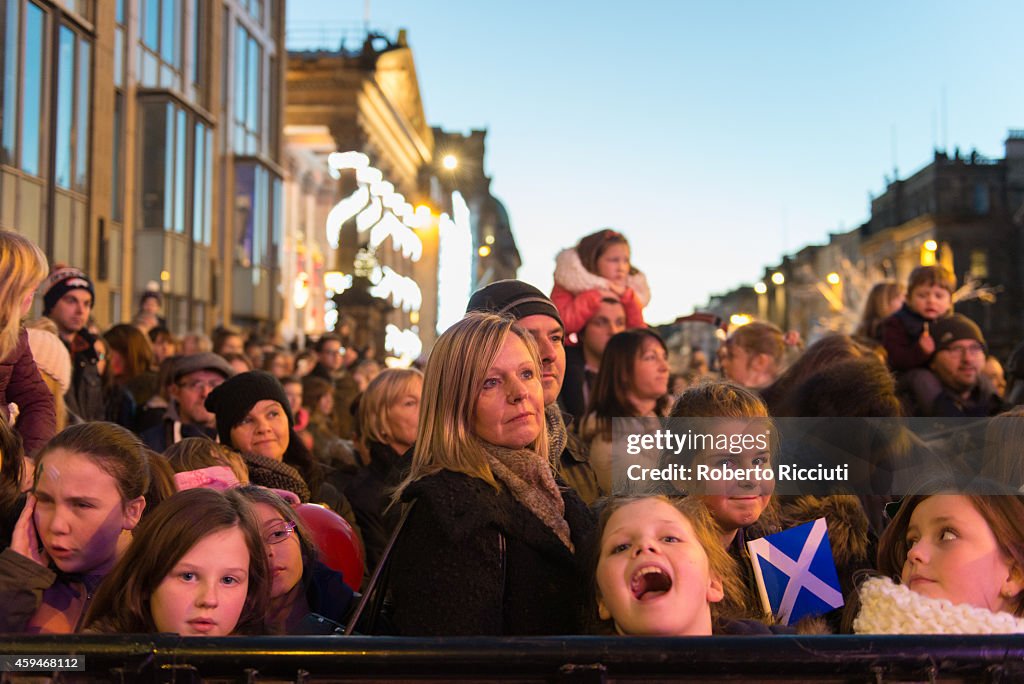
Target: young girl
[89, 493]
[632, 383]
[952, 564]
[753, 355]
[197, 567]
[657, 569]
[597, 268]
[302, 588]
[885, 299]
[22, 268]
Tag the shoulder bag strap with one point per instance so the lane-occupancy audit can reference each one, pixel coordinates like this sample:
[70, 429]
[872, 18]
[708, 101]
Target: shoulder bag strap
[376, 589]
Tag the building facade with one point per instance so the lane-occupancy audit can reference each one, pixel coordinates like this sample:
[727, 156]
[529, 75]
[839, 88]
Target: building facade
[141, 143]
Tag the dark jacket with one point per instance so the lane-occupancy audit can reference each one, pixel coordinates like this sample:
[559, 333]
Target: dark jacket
[980, 403]
[474, 561]
[574, 467]
[572, 397]
[900, 333]
[21, 383]
[369, 492]
[161, 436]
[85, 399]
[40, 600]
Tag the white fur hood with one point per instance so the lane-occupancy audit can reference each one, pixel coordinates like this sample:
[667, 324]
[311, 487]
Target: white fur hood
[571, 275]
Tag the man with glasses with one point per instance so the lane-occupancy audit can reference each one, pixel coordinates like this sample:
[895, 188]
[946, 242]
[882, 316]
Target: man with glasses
[959, 357]
[193, 378]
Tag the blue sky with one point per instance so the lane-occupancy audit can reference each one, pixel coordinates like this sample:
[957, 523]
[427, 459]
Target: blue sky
[716, 135]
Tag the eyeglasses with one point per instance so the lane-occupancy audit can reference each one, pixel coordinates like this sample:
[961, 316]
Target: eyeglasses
[966, 349]
[198, 385]
[279, 533]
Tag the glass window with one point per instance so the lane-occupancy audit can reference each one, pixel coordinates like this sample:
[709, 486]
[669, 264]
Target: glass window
[151, 25]
[117, 180]
[119, 12]
[154, 142]
[9, 96]
[201, 228]
[169, 32]
[257, 202]
[65, 106]
[31, 108]
[248, 92]
[82, 118]
[180, 161]
[981, 199]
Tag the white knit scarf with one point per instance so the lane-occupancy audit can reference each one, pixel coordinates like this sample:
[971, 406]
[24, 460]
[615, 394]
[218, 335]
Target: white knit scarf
[890, 608]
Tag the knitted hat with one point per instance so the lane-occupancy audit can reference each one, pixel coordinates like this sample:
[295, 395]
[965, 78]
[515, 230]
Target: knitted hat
[60, 282]
[946, 331]
[201, 361]
[232, 401]
[51, 356]
[515, 298]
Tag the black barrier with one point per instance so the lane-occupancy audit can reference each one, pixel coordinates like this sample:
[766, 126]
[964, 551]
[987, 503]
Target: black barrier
[168, 658]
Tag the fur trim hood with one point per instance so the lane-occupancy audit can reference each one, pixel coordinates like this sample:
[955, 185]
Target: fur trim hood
[847, 525]
[890, 608]
[571, 275]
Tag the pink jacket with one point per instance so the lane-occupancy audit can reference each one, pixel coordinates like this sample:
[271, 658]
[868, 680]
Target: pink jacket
[577, 293]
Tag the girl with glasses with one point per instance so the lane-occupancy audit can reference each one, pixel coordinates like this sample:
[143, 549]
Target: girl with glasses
[303, 589]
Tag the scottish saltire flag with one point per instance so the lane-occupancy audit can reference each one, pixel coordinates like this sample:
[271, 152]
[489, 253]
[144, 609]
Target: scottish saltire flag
[796, 574]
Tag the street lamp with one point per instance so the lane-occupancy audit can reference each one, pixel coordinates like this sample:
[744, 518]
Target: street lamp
[832, 278]
[778, 278]
[449, 162]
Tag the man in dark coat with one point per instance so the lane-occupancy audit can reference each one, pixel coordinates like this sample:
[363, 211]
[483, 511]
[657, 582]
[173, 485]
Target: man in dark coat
[68, 297]
[193, 378]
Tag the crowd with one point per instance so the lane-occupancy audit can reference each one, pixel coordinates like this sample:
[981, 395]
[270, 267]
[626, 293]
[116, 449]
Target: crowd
[216, 486]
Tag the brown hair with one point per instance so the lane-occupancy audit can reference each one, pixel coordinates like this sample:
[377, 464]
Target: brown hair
[1004, 514]
[133, 346]
[826, 352]
[194, 453]
[591, 247]
[876, 308]
[381, 394]
[314, 388]
[122, 603]
[161, 481]
[929, 276]
[1004, 435]
[760, 337]
[113, 449]
[608, 399]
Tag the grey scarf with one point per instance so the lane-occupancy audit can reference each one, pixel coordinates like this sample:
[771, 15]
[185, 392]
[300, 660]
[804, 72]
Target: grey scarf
[531, 481]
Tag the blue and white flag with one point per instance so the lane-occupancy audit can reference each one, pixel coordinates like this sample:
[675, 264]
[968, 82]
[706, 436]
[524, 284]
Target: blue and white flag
[796, 574]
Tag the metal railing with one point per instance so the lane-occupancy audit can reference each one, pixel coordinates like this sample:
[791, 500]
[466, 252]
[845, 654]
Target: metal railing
[164, 658]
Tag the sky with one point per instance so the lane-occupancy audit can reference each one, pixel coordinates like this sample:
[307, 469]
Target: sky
[717, 135]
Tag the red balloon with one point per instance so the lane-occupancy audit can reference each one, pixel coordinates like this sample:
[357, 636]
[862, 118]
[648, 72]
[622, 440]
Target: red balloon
[336, 540]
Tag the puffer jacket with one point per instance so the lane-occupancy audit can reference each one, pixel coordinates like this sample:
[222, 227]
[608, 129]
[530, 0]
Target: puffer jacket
[21, 384]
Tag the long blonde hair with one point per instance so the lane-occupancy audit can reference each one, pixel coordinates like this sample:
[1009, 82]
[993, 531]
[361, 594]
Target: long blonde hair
[22, 268]
[452, 380]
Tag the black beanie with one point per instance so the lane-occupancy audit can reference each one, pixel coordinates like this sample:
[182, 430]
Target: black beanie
[515, 298]
[61, 281]
[232, 400]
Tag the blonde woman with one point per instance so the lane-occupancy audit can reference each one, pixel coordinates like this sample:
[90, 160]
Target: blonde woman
[22, 268]
[388, 418]
[489, 546]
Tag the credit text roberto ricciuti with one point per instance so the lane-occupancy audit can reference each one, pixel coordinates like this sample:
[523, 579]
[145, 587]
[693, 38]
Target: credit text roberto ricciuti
[706, 473]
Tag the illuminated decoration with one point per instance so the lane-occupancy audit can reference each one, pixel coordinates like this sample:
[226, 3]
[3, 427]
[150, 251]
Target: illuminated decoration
[484, 250]
[455, 264]
[165, 276]
[330, 314]
[343, 211]
[337, 282]
[739, 319]
[760, 288]
[931, 245]
[489, 239]
[404, 344]
[778, 278]
[378, 208]
[300, 290]
[832, 278]
[449, 162]
[404, 292]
